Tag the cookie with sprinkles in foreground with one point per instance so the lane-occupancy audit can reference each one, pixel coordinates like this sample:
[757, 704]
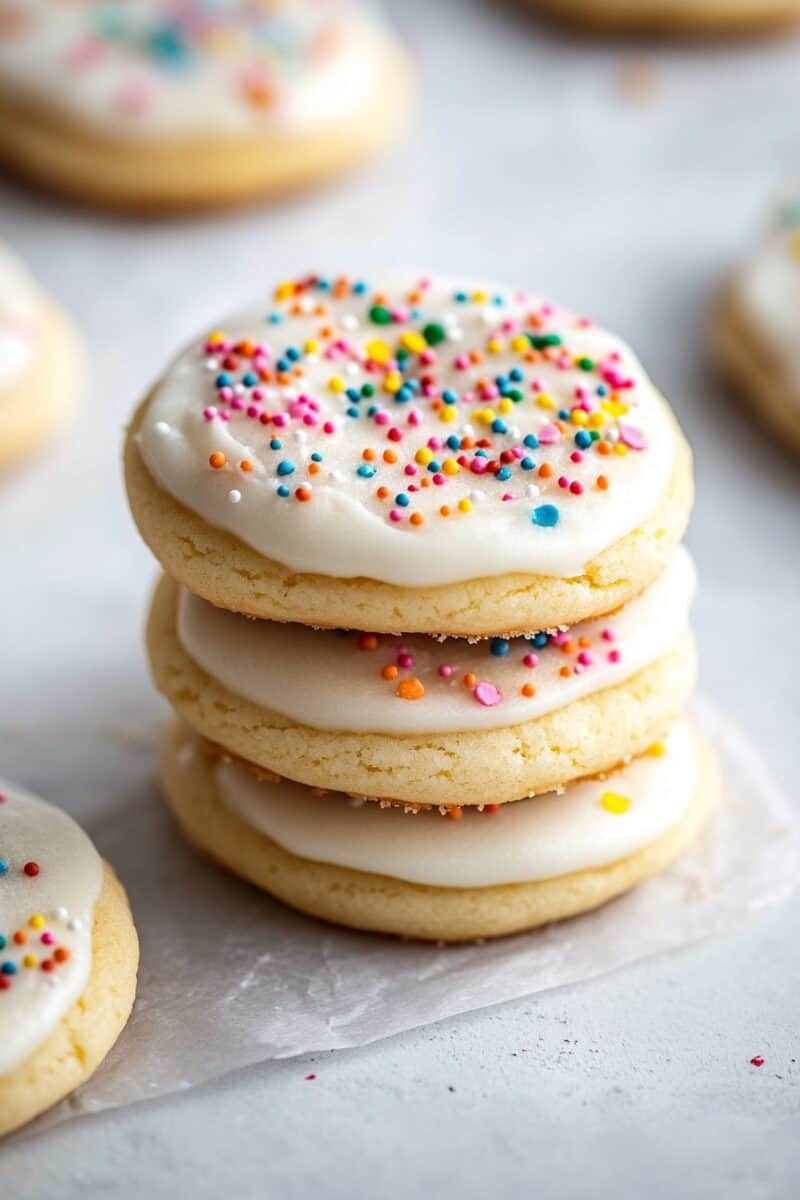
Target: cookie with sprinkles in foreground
[409, 455]
[68, 957]
[686, 17]
[499, 871]
[38, 363]
[421, 721]
[165, 104]
[756, 326]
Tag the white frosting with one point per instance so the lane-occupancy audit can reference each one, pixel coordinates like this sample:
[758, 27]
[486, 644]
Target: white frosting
[193, 67]
[284, 398]
[19, 318]
[64, 893]
[768, 287]
[335, 681]
[540, 838]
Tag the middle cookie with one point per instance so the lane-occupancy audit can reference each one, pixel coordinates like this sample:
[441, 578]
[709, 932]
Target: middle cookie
[453, 721]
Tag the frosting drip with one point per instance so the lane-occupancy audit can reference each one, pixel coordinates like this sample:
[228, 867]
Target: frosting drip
[193, 67]
[19, 320]
[590, 824]
[50, 879]
[414, 684]
[421, 433]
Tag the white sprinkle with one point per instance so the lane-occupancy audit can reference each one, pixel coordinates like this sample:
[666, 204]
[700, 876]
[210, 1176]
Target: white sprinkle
[60, 913]
[234, 495]
[212, 364]
[350, 321]
[75, 924]
[239, 389]
[477, 496]
[353, 368]
[531, 490]
[337, 476]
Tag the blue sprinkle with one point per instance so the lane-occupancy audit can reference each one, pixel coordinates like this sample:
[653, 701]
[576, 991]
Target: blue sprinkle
[503, 473]
[602, 390]
[434, 466]
[8, 968]
[316, 456]
[481, 453]
[366, 471]
[527, 463]
[283, 490]
[2, 942]
[461, 297]
[353, 412]
[250, 379]
[516, 375]
[275, 444]
[454, 442]
[282, 364]
[353, 394]
[546, 515]
[292, 353]
[564, 414]
[285, 467]
[499, 426]
[359, 288]
[323, 285]
[449, 397]
[402, 499]
[404, 394]
[3, 869]
[223, 379]
[583, 439]
[499, 647]
[373, 408]
[539, 640]
[274, 318]
[531, 441]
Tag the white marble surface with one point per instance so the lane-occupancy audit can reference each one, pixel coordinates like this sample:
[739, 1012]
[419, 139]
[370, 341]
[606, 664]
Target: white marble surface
[526, 163]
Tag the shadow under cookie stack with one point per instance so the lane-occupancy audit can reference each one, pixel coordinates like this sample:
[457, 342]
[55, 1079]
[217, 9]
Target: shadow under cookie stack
[454, 512]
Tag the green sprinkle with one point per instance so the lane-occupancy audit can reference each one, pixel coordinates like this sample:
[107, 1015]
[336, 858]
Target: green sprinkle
[434, 333]
[379, 315]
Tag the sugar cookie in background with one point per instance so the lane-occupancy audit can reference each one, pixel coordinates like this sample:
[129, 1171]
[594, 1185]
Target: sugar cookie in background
[756, 326]
[673, 17]
[508, 868]
[411, 455]
[425, 722]
[156, 104]
[38, 363]
[68, 957]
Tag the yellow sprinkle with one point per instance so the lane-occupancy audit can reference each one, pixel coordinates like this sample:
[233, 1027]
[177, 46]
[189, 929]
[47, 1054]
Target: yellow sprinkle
[311, 346]
[485, 415]
[596, 420]
[413, 341]
[379, 350]
[495, 345]
[578, 416]
[613, 802]
[336, 384]
[30, 960]
[657, 750]
[423, 456]
[621, 449]
[615, 409]
[284, 291]
[216, 337]
[480, 297]
[450, 466]
[505, 405]
[465, 505]
[545, 401]
[520, 344]
[36, 921]
[393, 382]
[448, 413]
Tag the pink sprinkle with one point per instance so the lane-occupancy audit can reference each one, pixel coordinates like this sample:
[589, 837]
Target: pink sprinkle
[281, 420]
[506, 496]
[404, 659]
[438, 479]
[209, 413]
[614, 656]
[531, 660]
[409, 469]
[329, 427]
[446, 671]
[757, 1060]
[608, 635]
[633, 438]
[586, 659]
[47, 938]
[133, 98]
[563, 482]
[237, 404]
[478, 466]
[576, 456]
[549, 434]
[382, 417]
[576, 487]
[395, 434]
[395, 515]
[487, 694]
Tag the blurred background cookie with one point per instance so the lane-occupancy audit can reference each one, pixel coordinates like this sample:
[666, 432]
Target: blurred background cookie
[724, 17]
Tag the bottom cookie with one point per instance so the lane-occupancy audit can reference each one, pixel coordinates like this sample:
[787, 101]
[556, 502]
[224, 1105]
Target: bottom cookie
[490, 873]
[725, 18]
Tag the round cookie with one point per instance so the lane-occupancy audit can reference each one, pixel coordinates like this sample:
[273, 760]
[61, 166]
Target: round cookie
[38, 364]
[424, 876]
[413, 719]
[155, 105]
[674, 17]
[756, 327]
[68, 957]
[429, 456]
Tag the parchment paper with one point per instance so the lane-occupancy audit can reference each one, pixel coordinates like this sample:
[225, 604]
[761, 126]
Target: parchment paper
[230, 978]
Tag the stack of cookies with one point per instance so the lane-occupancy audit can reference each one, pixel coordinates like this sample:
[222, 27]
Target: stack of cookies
[425, 614]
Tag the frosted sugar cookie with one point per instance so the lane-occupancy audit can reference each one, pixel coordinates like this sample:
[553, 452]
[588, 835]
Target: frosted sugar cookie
[68, 957]
[489, 873]
[756, 326]
[38, 363]
[723, 17]
[417, 455]
[158, 104]
[413, 719]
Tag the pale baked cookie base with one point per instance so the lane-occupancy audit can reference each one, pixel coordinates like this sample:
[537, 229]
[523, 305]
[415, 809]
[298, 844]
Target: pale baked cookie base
[148, 175]
[727, 18]
[746, 357]
[584, 737]
[41, 400]
[375, 902]
[219, 567]
[86, 1033]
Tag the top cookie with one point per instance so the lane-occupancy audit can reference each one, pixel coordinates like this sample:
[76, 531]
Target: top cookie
[425, 455]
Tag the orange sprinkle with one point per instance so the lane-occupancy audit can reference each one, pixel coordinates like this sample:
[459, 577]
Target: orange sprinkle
[568, 647]
[584, 642]
[455, 814]
[20, 937]
[417, 518]
[470, 680]
[528, 689]
[603, 483]
[217, 460]
[546, 470]
[410, 689]
[444, 511]
[382, 492]
[302, 494]
[367, 641]
[565, 672]
[245, 465]
[390, 671]
[314, 468]
[389, 456]
[491, 808]
[603, 447]
[61, 955]
[369, 454]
